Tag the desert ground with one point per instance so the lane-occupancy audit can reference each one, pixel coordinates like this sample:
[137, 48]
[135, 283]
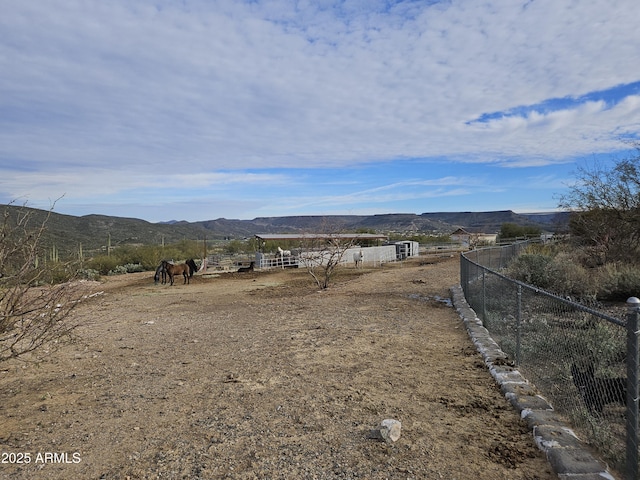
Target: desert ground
[263, 375]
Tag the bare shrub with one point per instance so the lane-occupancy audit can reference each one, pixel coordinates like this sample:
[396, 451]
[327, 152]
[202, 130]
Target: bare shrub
[33, 310]
[605, 206]
[322, 255]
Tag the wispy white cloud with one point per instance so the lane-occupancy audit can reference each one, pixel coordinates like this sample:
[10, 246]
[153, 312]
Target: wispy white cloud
[105, 98]
[103, 182]
[388, 194]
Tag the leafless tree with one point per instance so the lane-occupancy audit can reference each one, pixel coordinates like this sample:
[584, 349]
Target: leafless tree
[605, 205]
[33, 311]
[323, 253]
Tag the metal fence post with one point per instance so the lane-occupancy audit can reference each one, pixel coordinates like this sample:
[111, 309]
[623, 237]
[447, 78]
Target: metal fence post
[518, 324]
[632, 388]
[484, 297]
[463, 276]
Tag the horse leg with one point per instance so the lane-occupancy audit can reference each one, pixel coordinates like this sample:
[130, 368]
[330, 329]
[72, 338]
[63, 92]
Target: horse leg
[186, 277]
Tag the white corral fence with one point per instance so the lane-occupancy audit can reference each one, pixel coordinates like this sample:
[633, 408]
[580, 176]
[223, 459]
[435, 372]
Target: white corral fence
[371, 256]
[288, 261]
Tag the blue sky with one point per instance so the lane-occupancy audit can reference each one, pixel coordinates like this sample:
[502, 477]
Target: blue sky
[200, 109]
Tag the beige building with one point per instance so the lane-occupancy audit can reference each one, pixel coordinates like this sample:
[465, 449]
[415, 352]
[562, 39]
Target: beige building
[473, 239]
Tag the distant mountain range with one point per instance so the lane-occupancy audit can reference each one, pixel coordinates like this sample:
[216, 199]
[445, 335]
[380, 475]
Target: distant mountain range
[96, 231]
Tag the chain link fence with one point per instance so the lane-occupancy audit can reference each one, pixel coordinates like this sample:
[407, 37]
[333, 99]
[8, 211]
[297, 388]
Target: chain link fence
[583, 360]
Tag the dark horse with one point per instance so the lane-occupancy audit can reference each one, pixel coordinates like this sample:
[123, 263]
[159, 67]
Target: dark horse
[247, 269]
[596, 391]
[160, 272]
[186, 269]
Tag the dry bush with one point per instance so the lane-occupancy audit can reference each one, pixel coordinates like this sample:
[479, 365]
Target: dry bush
[618, 281]
[33, 311]
[322, 256]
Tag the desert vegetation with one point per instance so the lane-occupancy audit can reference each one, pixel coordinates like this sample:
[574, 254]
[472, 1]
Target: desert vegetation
[510, 230]
[601, 255]
[138, 258]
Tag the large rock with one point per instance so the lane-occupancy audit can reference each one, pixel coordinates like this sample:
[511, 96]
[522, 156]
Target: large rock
[388, 431]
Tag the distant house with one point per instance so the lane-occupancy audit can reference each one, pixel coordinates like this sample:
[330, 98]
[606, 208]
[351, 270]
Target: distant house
[473, 238]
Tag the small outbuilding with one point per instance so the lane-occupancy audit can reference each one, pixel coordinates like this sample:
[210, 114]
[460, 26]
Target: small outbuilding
[473, 238]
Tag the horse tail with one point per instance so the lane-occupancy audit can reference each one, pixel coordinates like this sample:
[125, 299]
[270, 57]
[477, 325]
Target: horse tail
[192, 267]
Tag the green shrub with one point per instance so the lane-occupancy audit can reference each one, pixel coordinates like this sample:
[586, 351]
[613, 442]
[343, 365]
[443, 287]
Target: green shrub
[133, 268]
[512, 230]
[568, 272]
[103, 263]
[618, 281]
[236, 246]
[88, 274]
[567, 276]
[531, 268]
[546, 249]
[118, 270]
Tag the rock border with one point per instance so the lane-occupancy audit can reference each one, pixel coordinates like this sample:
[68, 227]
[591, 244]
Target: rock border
[568, 456]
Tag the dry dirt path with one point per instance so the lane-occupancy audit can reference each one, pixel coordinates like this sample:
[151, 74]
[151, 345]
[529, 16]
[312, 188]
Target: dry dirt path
[261, 375]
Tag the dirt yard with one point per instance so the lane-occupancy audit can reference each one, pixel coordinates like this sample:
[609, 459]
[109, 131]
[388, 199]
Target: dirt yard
[261, 375]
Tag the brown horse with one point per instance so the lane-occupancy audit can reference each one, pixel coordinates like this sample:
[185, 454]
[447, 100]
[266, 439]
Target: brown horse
[186, 269]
